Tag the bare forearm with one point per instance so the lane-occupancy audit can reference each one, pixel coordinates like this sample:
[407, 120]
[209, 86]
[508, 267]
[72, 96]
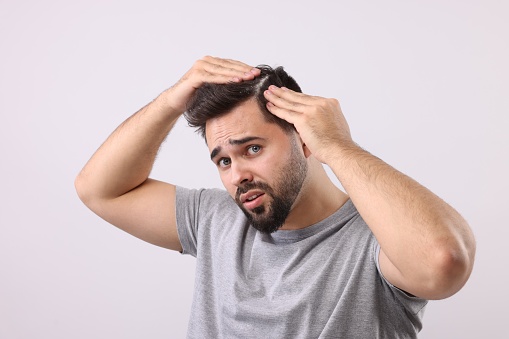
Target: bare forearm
[420, 234]
[125, 159]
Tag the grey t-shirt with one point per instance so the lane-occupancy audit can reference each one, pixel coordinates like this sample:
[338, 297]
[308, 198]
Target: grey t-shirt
[322, 281]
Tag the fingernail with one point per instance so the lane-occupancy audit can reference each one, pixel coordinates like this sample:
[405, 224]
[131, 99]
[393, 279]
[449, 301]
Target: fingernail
[254, 70]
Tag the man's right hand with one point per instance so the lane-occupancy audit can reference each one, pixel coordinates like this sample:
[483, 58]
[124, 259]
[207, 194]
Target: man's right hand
[207, 70]
[115, 184]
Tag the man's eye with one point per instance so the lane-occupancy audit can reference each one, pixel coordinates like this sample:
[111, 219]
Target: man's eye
[253, 149]
[224, 162]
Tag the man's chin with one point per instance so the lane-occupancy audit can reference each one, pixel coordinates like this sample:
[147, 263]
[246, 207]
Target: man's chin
[260, 221]
[267, 219]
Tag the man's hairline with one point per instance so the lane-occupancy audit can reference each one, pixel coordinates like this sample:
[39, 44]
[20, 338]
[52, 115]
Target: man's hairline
[258, 103]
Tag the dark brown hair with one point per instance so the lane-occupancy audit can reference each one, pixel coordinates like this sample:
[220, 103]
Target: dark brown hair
[213, 100]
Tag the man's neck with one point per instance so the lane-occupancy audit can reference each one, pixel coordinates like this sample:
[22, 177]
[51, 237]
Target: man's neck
[319, 198]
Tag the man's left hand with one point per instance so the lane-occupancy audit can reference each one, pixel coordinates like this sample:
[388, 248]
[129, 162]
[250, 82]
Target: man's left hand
[319, 121]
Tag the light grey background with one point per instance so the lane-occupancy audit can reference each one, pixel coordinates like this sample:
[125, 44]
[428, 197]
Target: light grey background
[424, 86]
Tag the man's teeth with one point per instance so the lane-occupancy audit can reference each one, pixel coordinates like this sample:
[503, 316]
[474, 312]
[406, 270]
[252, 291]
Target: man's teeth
[253, 197]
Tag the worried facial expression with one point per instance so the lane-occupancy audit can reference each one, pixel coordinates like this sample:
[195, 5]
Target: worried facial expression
[261, 166]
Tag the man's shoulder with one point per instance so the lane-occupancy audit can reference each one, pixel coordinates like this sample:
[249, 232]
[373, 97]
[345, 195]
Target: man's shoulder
[205, 192]
[204, 197]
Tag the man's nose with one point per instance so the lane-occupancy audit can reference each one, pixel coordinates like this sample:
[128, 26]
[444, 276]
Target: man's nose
[240, 173]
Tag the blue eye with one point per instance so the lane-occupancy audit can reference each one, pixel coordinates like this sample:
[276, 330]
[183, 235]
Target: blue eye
[254, 149]
[224, 162]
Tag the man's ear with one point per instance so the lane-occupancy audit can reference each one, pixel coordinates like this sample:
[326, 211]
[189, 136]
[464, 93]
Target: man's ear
[305, 149]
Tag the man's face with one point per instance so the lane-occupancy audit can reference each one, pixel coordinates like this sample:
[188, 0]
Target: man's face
[262, 167]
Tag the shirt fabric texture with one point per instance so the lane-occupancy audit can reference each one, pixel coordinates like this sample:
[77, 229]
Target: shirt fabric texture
[322, 281]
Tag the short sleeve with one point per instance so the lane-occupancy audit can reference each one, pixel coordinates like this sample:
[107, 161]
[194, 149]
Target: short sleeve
[414, 306]
[187, 204]
[195, 210]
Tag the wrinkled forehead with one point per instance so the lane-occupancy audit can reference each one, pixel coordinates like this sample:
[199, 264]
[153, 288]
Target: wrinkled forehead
[244, 120]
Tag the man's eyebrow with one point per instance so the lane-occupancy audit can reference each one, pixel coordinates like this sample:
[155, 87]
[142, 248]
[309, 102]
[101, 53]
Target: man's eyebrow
[243, 140]
[216, 150]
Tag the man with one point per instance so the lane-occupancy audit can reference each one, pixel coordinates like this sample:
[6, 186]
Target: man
[284, 253]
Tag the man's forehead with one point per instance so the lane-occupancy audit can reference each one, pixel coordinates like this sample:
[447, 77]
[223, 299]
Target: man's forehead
[245, 120]
[222, 134]
[233, 134]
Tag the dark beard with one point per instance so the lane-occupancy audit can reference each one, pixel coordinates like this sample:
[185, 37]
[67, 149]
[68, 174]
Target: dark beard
[268, 219]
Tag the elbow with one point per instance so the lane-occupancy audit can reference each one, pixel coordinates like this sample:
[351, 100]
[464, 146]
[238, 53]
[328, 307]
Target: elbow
[87, 194]
[79, 186]
[451, 269]
[82, 188]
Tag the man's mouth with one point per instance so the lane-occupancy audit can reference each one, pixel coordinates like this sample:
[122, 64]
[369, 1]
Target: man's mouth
[251, 199]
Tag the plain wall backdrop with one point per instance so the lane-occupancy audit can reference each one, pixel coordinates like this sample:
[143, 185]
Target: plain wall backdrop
[423, 85]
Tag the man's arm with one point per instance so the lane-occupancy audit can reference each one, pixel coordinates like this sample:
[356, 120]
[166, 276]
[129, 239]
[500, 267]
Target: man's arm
[114, 183]
[427, 248]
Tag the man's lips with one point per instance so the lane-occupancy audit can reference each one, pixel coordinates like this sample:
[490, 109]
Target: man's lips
[250, 196]
[252, 199]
